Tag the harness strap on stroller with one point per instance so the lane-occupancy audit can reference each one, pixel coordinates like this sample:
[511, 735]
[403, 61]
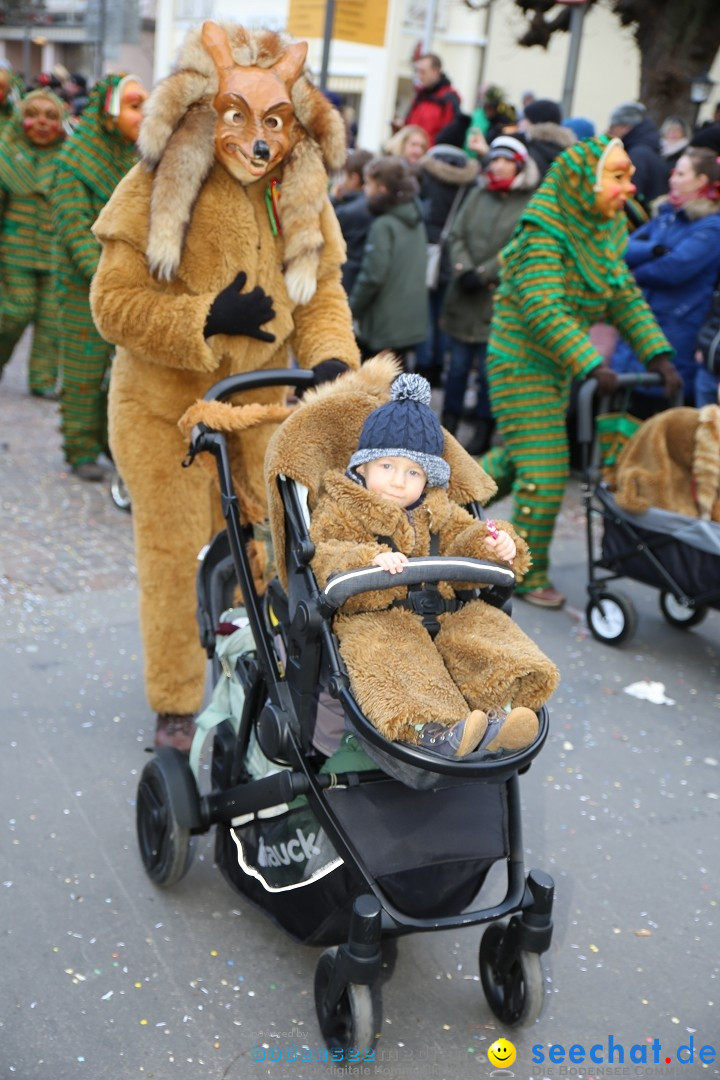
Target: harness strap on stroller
[425, 599]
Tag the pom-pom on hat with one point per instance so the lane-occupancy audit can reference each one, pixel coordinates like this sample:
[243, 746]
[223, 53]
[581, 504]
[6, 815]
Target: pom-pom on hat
[406, 427]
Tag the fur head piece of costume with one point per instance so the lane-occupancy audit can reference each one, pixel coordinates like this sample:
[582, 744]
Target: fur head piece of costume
[180, 140]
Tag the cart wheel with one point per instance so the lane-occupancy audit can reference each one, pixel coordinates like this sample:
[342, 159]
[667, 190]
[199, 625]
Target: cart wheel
[162, 803]
[119, 493]
[678, 614]
[351, 1025]
[517, 997]
[611, 617]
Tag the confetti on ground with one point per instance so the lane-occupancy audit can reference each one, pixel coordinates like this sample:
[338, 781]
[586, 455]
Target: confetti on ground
[649, 691]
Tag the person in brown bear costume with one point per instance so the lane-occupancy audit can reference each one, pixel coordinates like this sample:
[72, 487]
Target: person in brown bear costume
[221, 253]
[478, 682]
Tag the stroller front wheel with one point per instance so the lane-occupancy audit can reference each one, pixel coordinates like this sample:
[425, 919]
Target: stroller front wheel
[611, 617]
[350, 1025]
[680, 615]
[515, 995]
[161, 809]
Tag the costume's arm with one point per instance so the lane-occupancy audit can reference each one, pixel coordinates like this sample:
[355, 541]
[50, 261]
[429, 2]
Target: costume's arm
[73, 215]
[691, 257]
[467, 537]
[132, 309]
[323, 327]
[374, 268]
[539, 289]
[630, 314]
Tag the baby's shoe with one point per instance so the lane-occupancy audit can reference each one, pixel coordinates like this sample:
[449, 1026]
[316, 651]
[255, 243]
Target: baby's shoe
[455, 740]
[510, 731]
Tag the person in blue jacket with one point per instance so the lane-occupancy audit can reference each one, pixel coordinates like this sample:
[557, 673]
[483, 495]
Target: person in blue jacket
[675, 259]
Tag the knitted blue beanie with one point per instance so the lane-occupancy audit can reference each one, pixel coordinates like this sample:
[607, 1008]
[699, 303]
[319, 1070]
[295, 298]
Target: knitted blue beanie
[406, 427]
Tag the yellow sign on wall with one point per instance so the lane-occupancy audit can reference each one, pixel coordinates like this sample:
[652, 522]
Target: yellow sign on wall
[361, 21]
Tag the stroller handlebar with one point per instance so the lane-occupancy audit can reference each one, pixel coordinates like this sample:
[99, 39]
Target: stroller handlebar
[626, 380]
[255, 380]
[418, 571]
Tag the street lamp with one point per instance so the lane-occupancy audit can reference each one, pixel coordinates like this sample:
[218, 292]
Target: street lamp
[700, 90]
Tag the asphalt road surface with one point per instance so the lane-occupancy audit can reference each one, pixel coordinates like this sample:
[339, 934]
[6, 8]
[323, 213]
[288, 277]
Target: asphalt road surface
[105, 976]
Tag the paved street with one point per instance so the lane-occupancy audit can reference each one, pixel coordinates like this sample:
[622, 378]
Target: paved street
[105, 976]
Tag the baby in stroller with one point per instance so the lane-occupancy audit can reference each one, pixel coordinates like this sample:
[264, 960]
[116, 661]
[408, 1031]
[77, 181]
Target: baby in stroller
[449, 675]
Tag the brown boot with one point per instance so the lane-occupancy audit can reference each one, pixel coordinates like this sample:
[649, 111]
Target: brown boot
[514, 731]
[175, 729]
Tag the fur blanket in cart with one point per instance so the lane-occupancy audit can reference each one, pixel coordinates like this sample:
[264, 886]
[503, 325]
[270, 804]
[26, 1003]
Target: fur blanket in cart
[673, 463]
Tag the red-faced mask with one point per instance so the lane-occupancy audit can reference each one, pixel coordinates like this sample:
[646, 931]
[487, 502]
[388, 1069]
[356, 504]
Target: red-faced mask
[42, 121]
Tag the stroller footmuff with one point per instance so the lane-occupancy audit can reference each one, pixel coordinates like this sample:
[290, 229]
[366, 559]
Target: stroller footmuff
[338, 835]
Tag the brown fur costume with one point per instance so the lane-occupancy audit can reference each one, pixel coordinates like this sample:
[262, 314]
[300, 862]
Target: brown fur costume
[673, 463]
[480, 658]
[177, 231]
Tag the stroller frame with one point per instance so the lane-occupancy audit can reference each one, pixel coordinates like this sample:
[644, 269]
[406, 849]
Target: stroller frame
[640, 552]
[280, 703]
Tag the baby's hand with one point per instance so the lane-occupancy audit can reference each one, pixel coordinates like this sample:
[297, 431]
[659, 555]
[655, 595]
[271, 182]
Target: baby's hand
[392, 561]
[504, 545]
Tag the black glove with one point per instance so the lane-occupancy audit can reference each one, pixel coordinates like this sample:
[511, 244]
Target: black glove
[233, 312]
[607, 380]
[672, 379]
[325, 371]
[470, 281]
[659, 250]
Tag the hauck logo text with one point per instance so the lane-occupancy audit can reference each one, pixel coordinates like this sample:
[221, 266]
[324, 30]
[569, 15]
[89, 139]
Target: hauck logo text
[299, 850]
[612, 1053]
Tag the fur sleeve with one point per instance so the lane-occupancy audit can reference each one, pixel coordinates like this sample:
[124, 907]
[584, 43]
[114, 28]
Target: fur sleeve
[323, 326]
[469, 540]
[152, 320]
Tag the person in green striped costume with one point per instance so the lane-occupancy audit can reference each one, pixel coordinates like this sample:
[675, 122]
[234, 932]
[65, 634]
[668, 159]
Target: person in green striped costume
[28, 149]
[562, 271]
[99, 153]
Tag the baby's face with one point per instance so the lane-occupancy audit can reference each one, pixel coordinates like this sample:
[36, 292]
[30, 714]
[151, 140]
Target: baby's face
[397, 479]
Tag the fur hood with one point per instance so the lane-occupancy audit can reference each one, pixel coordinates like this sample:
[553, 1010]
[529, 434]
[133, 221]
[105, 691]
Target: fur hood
[464, 172]
[551, 133]
[694, 210]
[176, 144]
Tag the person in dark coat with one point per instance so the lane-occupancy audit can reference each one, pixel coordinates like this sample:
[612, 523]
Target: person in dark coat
[544, 133]
[389, 298]
[353, 213]
[446, 175]
[641, 138]
[675, 260]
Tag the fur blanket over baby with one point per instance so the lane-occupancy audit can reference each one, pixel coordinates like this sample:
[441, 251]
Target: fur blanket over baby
[673, 463]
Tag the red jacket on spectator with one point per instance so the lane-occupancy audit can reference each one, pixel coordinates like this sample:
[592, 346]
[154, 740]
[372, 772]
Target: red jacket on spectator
[434, 107]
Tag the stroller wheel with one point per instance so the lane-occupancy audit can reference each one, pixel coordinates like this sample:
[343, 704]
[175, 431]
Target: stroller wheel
[162, 808]
[515, 996]
[611, 617]
[119, 493]
[678, 614]
[350, 1025]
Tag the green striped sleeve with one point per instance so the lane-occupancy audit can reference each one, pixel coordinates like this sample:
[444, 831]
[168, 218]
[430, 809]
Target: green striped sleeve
[73, 215]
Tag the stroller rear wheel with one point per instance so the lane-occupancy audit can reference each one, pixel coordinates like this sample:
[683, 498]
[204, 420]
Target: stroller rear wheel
[611, 617]
[162, 808]
[515, 995]
[680, 615]
[119, 493]
[350, 1025]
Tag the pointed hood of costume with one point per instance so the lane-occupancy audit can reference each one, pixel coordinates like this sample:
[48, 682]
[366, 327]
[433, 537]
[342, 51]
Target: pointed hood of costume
[564, 206]
[98, 152]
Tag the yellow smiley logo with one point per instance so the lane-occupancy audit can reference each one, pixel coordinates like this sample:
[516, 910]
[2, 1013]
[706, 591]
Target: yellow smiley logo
[502, 1053]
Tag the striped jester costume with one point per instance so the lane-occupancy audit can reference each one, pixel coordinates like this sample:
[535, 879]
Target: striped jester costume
[94, 159]
[562, 271]
[27, 249]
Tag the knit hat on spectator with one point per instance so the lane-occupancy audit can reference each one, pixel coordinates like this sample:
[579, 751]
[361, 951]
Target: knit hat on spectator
[629, 113]
[507, 146]
[581, 127]
[543, 112]
[405, 427]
